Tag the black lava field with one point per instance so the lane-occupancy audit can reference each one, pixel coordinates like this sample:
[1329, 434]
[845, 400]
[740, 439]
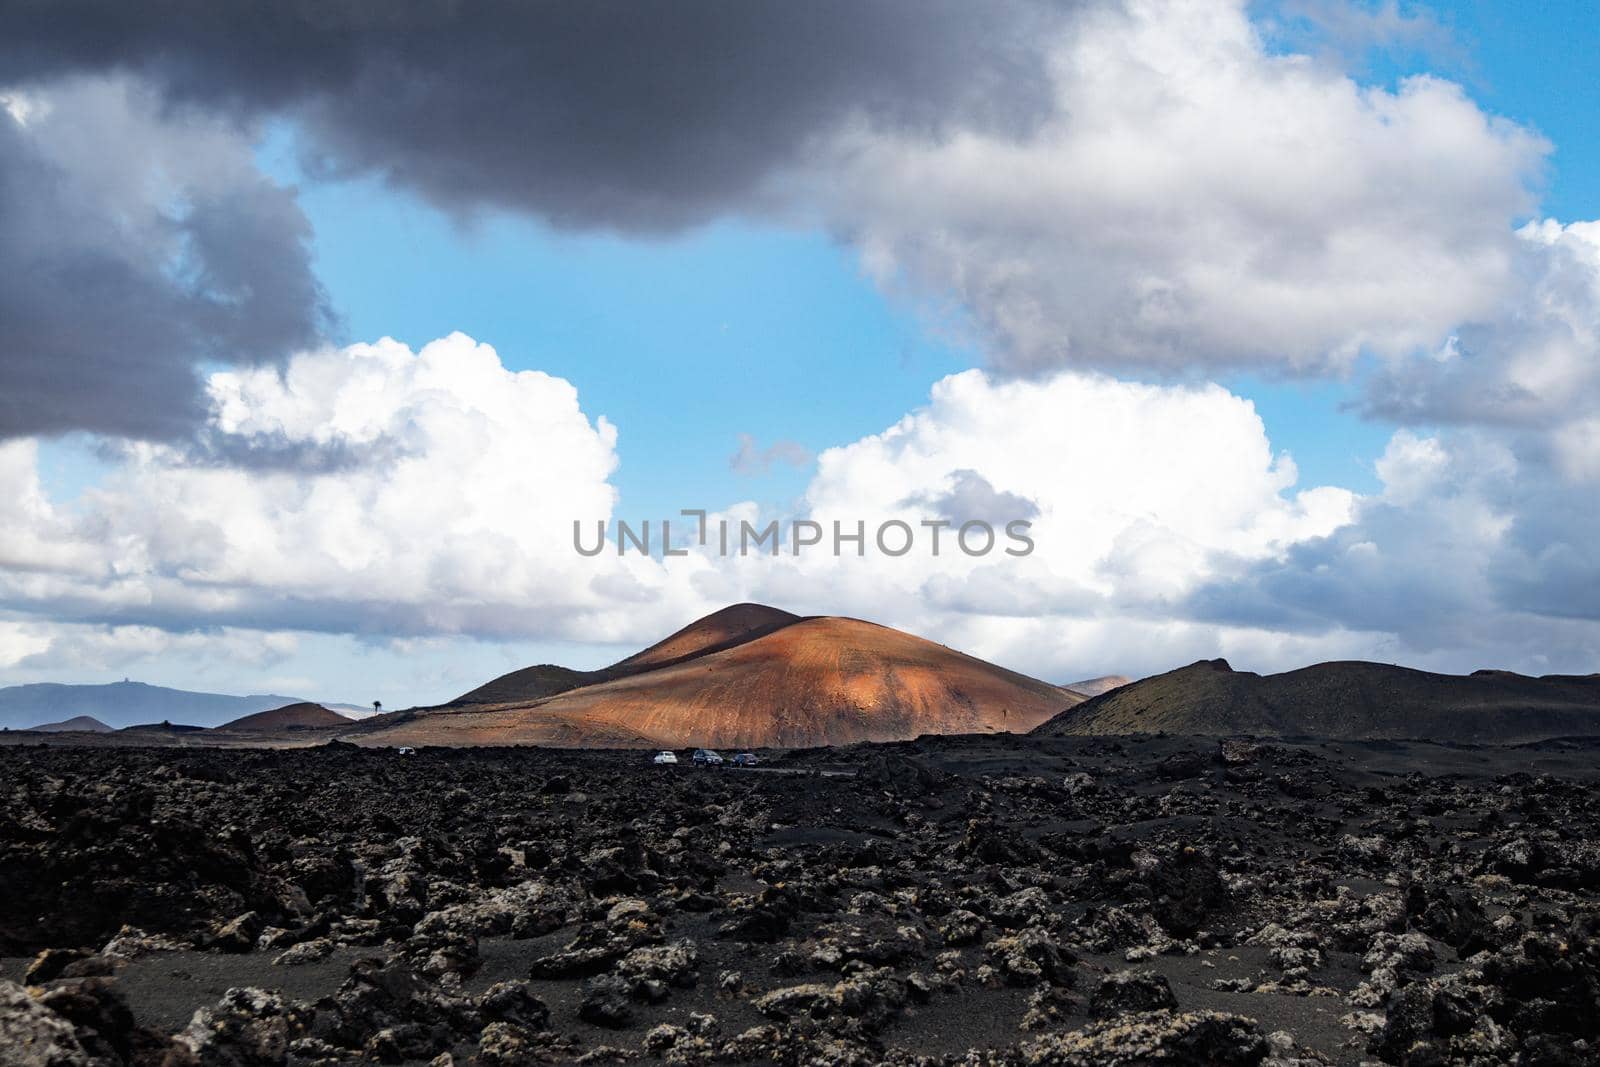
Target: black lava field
[994, 900]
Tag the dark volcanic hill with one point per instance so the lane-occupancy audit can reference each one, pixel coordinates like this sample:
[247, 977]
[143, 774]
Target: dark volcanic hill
[754, 677]
[290, 717]
[162, 729]
[719, 630]
[76, 724]
[1343, 701]
[529, 683]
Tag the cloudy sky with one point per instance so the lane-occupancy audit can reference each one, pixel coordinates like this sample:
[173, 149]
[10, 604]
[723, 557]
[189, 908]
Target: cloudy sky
[320, 324]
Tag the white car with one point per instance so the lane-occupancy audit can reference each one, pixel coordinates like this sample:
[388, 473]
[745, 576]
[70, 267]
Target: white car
[665, 757]
[406, 750]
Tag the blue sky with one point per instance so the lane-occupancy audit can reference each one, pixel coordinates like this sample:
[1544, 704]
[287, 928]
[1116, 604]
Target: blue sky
[684, 343]
[689, 341]
[1535, 63]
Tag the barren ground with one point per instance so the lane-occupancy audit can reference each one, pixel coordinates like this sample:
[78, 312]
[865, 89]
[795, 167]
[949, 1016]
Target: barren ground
[954, 900]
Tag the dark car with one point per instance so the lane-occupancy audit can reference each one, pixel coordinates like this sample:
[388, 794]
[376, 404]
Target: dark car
[745, 759]
[707, 758]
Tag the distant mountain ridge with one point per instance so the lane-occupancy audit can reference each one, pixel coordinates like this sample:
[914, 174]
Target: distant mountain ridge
[127, 703]
[1343, 701]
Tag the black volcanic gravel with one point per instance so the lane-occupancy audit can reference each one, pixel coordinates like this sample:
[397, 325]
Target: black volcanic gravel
[990, 900]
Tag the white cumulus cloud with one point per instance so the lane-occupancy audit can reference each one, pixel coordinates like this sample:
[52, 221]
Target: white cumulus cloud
[1137, 494]
[368, 489]
[375, 490]
[1200, 200]
[1473, 555]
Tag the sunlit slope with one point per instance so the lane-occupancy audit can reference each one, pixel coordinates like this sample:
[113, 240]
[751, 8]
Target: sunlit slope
[816, 681]
[718, 630]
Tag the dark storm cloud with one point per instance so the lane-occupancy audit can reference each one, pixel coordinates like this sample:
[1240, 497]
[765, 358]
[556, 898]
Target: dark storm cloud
[278, 452]
[621, 115]
[1367, 576]
[1497, 566]
[630, 115]
[971, 497]
[132, 247]
[1549, 563]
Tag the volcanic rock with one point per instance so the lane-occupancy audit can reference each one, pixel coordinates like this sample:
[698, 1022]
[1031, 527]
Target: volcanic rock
[34, 1035]
[1403, 901]
[607, 1001]
[1212, 1038]
[1126, 992]
[49, 964]
[246, 1028]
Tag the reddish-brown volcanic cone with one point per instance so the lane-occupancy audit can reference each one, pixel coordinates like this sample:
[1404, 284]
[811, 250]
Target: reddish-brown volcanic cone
[719, 630]
[818, 681]
[288, 717]
[731, 626]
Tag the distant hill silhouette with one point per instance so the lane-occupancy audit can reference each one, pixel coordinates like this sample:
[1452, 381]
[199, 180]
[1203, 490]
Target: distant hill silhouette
[78, 724]
[121, 704]
[1093, 687]
[1346, 700]
[299, 716]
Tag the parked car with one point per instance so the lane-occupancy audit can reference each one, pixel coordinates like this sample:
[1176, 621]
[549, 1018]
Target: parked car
[745, 759]
[407, 750]
[665, 757]
[707, 758]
